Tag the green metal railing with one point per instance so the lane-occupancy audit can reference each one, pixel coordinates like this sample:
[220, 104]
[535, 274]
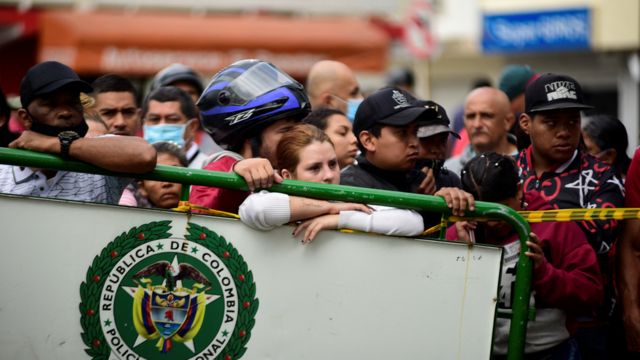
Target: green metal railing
[520, 306]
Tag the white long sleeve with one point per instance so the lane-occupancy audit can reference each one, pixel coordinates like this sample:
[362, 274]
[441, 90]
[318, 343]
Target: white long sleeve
[384, 220]
[265, 210]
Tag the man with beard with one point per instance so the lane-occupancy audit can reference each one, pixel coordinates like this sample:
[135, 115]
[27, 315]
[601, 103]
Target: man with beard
[53, 119]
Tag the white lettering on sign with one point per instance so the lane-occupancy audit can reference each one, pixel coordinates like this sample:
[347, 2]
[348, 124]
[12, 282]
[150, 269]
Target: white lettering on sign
[546, 29]
[116, 59]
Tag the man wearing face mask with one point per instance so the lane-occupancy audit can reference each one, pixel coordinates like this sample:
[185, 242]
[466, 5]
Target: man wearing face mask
[332, 84]
[53, 119]
[169, 114]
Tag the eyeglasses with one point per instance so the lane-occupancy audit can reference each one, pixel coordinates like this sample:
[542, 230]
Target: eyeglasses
[126, 113]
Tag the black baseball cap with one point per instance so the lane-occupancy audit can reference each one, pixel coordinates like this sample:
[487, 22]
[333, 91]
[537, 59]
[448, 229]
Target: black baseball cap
[388, 106]
[47, 77]
[435, 120]
[554, 92]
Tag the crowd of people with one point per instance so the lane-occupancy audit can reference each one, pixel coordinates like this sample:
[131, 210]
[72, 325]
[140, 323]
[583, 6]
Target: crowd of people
[532, 143]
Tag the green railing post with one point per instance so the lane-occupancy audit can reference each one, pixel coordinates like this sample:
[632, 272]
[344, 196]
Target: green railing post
[329, 192]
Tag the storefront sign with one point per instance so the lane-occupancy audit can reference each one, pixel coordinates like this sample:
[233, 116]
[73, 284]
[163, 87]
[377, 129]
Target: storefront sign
[560, 30]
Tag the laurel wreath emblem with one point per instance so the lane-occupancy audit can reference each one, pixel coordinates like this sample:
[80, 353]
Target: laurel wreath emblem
[102, 264]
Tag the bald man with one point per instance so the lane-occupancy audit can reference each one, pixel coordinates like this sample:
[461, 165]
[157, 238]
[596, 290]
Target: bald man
[332, 84]
[487, 119]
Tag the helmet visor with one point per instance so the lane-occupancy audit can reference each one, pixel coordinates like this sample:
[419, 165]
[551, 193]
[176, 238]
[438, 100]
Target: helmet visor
[256, 81]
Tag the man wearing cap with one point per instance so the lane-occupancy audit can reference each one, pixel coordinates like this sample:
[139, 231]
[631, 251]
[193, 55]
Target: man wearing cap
[434, 135]
[513, 81]
[386, 124]
[53, 118]
[566, 177]
[487, 119]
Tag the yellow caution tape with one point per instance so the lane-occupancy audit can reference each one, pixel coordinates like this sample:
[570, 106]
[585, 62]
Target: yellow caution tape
[560, 216]
[581, 214]
[185, 206]
[530, 216]
[569, 215]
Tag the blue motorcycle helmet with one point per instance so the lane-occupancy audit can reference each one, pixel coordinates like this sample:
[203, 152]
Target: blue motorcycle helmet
[246, 97]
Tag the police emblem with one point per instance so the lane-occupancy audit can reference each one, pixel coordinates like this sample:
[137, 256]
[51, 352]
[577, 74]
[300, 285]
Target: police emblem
[149, 294]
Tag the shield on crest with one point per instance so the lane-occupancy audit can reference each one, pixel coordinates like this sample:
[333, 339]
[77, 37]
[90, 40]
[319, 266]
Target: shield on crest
[169, 311]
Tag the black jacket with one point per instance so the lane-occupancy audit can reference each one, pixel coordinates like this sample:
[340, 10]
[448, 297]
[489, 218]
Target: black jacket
[365, 174]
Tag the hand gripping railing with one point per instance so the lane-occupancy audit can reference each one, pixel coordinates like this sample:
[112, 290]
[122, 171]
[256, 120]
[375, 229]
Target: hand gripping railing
[520, 306]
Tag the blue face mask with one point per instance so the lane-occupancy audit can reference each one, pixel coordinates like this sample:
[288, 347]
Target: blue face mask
[166, 132]
[352, 107]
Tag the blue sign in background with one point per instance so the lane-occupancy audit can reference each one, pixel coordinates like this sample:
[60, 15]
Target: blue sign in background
[560, 30]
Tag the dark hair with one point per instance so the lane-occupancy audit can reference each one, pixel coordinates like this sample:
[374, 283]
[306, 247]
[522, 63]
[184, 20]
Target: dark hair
[172, 93]
[480, 82]
[114, 83]
[491, 177]
[320, 116]
[375, 130]
[166, 147]
[293, 141]
[608, 132]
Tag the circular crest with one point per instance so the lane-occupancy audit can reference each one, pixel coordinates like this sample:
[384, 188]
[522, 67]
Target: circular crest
[149, 293]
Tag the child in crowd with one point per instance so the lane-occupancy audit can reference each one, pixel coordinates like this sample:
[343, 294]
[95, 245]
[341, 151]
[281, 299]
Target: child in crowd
[306, 153]
[246, 108]
[158, 194]
[339, 129]
[566, 276]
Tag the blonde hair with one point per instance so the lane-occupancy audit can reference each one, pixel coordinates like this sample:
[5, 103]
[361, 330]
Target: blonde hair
[297, 138]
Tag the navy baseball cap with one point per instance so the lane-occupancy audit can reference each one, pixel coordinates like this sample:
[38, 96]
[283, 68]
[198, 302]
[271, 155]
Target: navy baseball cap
[435, 121]
[388, 106]
[554, 92]
[47, 77]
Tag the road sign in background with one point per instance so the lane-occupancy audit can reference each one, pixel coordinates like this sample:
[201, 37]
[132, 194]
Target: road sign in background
[418, 35]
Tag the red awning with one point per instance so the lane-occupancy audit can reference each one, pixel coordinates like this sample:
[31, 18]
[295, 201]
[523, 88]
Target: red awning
[143, 43]
[15, 24]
